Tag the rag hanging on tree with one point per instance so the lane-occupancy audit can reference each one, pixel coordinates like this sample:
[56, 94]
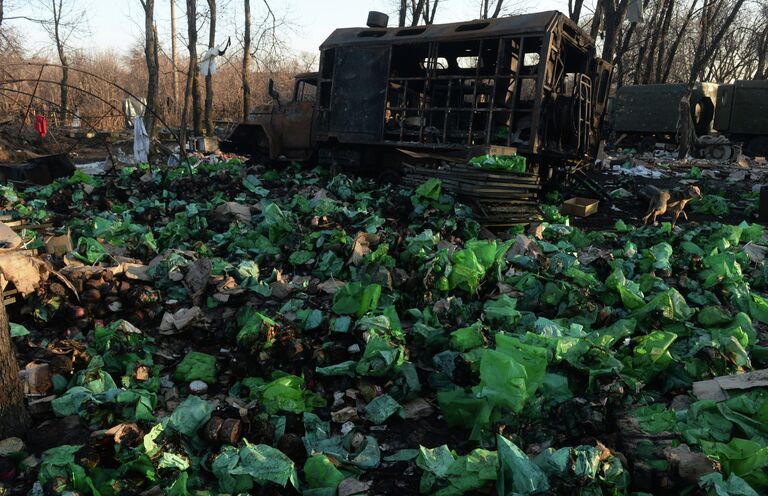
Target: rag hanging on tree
[41, 125]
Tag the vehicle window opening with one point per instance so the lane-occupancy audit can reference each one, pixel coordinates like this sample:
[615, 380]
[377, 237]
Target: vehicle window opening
[305, 91]
[472, 27]
[372, 33]
[531, 59]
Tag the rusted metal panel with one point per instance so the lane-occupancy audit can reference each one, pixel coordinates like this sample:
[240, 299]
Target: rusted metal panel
[724, 108]
[357, 101]
[294, 124]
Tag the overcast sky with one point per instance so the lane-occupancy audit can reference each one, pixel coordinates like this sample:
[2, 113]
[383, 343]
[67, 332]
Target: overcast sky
[118, 24]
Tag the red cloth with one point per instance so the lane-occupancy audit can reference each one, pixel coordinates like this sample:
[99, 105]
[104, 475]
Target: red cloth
[41, 125]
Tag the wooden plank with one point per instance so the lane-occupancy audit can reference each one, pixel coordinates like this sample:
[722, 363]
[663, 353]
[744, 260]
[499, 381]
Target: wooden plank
[717, 389]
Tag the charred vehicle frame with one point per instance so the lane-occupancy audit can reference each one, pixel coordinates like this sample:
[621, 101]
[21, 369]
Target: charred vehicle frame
[529, 83]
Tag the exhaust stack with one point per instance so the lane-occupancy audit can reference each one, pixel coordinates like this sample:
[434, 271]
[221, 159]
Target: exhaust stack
[377, 19]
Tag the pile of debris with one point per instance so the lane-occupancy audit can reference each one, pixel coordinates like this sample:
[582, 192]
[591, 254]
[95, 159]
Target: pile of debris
[241, 329]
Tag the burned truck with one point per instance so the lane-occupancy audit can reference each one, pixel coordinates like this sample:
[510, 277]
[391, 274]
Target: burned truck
[722, 115]
[527, 84]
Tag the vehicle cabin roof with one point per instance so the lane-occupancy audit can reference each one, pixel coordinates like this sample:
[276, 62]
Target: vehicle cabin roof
[306, 75]
[539, 22]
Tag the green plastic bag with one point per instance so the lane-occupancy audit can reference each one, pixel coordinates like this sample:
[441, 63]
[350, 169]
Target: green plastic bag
[197, 366]
[518, 475]
[320, 472]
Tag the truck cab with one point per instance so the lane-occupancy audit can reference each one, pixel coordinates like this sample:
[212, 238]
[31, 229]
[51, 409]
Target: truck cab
[281, 130]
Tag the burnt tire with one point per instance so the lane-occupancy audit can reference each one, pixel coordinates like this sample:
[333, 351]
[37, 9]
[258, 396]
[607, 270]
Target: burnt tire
[721, 152]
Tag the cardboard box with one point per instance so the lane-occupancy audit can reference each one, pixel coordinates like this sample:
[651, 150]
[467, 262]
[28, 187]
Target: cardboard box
[207, 144]
[580, 207]
[497, 150]
[59, 245]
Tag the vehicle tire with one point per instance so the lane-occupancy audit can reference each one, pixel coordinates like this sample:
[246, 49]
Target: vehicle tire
[718, 152]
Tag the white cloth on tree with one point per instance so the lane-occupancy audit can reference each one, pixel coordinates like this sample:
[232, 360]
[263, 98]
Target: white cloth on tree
[635, 11]
[208, 63]
[140, 141]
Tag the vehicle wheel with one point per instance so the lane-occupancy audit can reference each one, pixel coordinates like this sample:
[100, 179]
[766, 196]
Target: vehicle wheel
[718, 152]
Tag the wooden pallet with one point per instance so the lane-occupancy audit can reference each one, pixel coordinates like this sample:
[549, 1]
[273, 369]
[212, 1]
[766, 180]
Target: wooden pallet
[498, 198]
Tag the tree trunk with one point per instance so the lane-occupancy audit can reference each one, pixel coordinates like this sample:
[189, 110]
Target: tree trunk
[402, 13]
[64, 87]
[183, 131]
[654, 35]
[417, 9]
[14, 418]
[703, 58]
[663, 33]
[614, 18]
[208, 78]
[1, 12]
[640, 57]
[485, 9]
[676, 44]
[153, 68]
[429, 15]
[597, 20]
[621, 65]
[173, 57]
[574, 9]
[247, 61]
[197, 110]
[762, 48]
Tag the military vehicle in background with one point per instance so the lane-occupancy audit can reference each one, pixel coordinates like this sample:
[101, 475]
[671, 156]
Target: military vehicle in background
[430, 95]
[724, 117]
[741, 114]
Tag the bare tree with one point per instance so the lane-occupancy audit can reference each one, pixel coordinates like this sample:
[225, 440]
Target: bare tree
[2, 11]
[488, 10]
[60, 22]
[14, 418]
[192, 90]
[247, 60]
[574, 9]
[208, 76]
[173, 54]
[706, 47]
[614, 13]
[153, 66]
[761, 48]
[676, 43]
[262, 45]
[418, 10]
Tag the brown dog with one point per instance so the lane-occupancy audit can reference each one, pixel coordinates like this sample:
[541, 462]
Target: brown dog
[661, 200]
